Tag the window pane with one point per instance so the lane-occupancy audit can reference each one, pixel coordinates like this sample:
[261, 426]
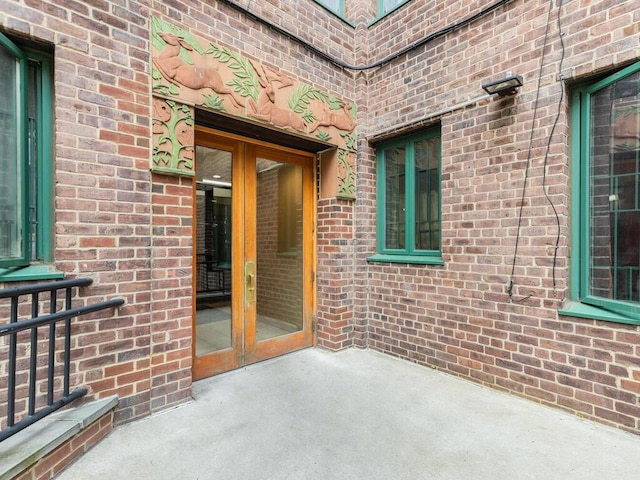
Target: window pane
[289, 186]
[388, 5]
[394, 160]
[427, 210]
[10, 159]
[34, 91]
[333, 5]
[614, 192]
[279, 272]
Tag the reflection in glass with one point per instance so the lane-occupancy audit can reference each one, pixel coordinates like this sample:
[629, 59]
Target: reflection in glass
[279, 266]
[11, 245]
[213, 250]
[395, 161]
[427, 228]
[614, 191]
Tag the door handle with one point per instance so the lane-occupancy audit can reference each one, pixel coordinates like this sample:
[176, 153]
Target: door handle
[250, 282]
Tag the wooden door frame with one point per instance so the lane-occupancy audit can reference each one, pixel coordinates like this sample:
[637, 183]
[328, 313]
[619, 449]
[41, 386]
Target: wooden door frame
[230, 358]
[255, 352]
[235, 357]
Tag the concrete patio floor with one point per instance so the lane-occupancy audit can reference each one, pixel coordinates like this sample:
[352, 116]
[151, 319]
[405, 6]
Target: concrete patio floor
[357, 414]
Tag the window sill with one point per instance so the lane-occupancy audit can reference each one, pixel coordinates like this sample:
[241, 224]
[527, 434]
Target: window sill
[582, 310]
[415, 259]
[30, 273]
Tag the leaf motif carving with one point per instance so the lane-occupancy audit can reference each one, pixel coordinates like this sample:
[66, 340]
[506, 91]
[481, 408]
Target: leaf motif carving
[246, 81]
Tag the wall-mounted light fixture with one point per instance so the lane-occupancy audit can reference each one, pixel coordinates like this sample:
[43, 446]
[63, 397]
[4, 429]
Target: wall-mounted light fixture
[505, 86]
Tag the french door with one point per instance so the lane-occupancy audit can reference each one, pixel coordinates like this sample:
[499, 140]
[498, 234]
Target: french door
[254, 252]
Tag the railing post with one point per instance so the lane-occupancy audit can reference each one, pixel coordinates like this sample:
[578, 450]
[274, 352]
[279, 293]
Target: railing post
[11, 384]
[35, 299]
[52, 347]
[67, 344]
[13, 329]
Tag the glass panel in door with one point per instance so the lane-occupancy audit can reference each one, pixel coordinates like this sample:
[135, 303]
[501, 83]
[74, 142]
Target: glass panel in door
[279, 249]
[253, 253]
[278, 253]
[213, 250]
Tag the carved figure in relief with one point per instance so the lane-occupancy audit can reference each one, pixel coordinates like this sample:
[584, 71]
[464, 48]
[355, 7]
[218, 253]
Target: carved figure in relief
[266, 108]
[194, 77]
[340, 119]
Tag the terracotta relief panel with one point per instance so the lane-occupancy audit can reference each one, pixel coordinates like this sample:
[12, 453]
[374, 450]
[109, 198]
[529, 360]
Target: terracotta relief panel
[173, 137]
[346, 175]
[189, 71]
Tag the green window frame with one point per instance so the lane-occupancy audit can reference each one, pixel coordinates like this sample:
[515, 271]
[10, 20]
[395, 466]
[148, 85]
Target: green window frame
[605, 260]
[409, 198]
[335, 6]
[387, 6]
[25, 158]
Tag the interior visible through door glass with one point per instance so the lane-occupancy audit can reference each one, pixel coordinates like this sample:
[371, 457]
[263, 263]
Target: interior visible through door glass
[279, 248]
[213, 250]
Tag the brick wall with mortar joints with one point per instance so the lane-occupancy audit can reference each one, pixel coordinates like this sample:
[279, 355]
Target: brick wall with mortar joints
[307, 20]
[458, 317]
[334, 279]
[360, 13]
[101, 210]
[364, 12]
[171, 300]
[110, 225]
[579, 64]
[53, 463]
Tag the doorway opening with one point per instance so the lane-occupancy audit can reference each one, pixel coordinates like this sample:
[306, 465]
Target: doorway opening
[254, 251]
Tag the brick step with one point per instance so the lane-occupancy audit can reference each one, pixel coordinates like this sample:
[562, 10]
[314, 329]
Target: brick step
[42, 450]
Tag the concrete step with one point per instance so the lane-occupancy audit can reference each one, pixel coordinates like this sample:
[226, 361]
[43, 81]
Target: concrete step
[43, 449]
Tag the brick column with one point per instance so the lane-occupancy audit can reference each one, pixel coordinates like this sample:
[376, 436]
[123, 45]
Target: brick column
[335, 273]
[171, 294]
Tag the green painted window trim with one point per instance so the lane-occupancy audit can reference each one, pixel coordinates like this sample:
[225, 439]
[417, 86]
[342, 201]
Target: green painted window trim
[22, 132]
[339, 12]
[582, 304]
[583, 310]
[32, 272]
[407, 255]
[382, 13]
[44, 125]
[45, 146]
[418, 260]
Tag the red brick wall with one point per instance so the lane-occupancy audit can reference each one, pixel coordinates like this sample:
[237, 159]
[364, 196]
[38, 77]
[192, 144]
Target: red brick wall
[335, 280]
[53, 463]
[129, 230]
[458, 317]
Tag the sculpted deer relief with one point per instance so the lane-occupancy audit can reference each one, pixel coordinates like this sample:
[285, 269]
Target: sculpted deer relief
[194, 77]
[266, 108]
[340, 119]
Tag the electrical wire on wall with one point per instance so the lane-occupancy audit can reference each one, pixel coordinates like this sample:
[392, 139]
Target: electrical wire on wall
[433, 36]
[358, 68]
[546, 155]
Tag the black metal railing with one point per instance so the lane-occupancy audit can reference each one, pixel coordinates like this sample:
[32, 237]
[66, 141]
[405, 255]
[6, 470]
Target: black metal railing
[58, 311]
